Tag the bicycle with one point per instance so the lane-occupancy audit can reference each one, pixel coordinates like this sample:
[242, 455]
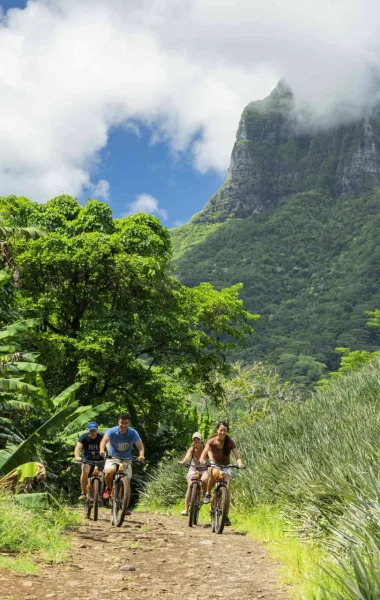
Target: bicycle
[94, 488]
[120, 493]
[220, 499]
[194, 496]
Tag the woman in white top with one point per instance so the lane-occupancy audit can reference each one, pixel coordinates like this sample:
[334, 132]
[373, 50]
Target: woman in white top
[193, 456]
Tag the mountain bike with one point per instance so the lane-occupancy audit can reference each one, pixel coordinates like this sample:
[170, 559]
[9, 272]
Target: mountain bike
[94, 488]
[194, 497]
[220, 499]
[120, 493]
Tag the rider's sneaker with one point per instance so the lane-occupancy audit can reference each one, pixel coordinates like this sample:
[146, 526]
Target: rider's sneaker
[207, 499]
[227, 522]
[185, 513]
[106, 493]
[83, 497]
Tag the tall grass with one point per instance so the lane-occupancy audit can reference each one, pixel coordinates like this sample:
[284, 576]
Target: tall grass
[25, 533]
[318, 462]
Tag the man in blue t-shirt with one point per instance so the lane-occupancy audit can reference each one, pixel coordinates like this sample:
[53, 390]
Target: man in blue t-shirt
[120, 439]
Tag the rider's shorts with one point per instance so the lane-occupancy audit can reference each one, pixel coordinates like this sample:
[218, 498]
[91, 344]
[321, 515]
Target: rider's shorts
[191, 472]
[226, 470]
[100, 465]
[111, 462]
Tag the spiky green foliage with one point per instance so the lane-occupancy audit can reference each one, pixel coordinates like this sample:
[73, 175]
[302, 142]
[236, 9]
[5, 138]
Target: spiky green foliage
[319, 462]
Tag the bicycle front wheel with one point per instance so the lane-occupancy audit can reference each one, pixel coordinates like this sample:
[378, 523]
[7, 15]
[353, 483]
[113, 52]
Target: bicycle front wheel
[95, 495]
[194, 504]
[221, 505]
[121, 495]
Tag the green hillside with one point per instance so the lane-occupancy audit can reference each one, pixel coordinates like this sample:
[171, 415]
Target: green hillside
[310, 268]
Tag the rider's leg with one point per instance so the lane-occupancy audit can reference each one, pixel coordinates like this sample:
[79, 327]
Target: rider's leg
[204, 480]
[108, 475]
[84, 477]
[213, 476]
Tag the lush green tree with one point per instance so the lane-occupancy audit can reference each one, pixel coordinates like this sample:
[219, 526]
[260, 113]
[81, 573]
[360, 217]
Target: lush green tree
[114, 315]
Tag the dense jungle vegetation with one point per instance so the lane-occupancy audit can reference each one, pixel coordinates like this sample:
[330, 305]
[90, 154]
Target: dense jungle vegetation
[92, 307]
[310, 269]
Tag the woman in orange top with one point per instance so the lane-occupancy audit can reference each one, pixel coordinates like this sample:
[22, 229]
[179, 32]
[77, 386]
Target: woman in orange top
[218, 449]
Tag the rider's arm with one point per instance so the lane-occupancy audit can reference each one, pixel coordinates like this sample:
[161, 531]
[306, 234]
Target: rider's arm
[78, 451]
[102, 448]
[140, 447]
[188, 456]
[204, 454]
[237, 456]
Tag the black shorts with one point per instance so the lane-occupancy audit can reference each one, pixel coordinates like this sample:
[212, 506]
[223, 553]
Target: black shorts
[100, 465]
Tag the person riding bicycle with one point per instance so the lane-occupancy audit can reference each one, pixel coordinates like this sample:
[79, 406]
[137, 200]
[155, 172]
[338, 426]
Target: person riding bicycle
[121, 439]
[88, 449]
[218, 449]
[193, 456]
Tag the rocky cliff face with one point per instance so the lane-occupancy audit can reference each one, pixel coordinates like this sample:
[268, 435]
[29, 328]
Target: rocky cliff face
[273, 158]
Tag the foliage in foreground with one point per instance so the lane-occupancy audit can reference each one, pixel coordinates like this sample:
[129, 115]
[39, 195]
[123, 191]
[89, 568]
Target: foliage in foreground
[22, 530]
[318, 461]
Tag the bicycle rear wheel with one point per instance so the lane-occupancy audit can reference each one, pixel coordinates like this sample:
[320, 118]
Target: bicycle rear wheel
[95, 495]
[221, 501]
[121, 495]
[194, 504]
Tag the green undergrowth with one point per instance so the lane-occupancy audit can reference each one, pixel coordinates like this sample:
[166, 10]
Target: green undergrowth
[28, 536]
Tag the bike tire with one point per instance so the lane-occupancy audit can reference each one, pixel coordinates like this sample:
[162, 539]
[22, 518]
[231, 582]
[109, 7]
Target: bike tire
[197, 505]
[212, 510]
[87, 508]
[95, 495]
[192, 508]
[121, 495]
[221, 510]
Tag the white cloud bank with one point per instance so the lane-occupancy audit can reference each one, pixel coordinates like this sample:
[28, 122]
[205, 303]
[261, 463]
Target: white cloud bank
[72, 69]
[147, 204]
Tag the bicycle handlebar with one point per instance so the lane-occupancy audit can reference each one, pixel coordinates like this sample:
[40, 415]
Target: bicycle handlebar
[212, 464]
[133, 459]
[191, 465]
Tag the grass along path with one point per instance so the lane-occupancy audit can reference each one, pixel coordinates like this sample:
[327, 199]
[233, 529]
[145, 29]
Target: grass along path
[152, 556]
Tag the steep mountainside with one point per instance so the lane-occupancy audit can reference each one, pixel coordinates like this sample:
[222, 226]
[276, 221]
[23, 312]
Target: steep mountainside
[297, 221]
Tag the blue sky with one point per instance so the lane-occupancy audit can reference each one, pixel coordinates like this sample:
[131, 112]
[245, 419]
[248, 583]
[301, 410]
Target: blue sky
[133, 165]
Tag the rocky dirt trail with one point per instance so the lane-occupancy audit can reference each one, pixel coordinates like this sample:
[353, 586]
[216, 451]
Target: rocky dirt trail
[152, 556]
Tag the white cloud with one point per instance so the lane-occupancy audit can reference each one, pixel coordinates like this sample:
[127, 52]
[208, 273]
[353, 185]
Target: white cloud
[100, 190]
[147, 204]
[69, 71]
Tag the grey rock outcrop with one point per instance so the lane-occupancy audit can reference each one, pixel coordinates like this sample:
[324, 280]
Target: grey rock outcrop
[274, 157]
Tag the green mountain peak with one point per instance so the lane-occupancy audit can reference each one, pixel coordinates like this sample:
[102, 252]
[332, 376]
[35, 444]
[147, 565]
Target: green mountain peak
[277, 155]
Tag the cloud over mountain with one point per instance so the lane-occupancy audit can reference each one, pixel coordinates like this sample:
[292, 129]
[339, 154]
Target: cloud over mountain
[69, 71]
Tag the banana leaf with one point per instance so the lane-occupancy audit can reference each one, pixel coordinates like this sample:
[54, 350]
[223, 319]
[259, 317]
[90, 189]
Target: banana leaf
[20, 327]
[39, 501]
[10, 460]
[32, 232]
[17, 385]
[65, 395]
[30, 367]
[83, 415]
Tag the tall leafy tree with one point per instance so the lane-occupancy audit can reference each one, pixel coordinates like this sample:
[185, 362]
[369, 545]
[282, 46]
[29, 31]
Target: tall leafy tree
[115, 317]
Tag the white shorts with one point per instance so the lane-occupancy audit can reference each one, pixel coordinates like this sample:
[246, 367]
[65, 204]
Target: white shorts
[226, 470]
[112, 462]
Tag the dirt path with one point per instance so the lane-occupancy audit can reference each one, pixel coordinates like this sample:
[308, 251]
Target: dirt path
[152, 556]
